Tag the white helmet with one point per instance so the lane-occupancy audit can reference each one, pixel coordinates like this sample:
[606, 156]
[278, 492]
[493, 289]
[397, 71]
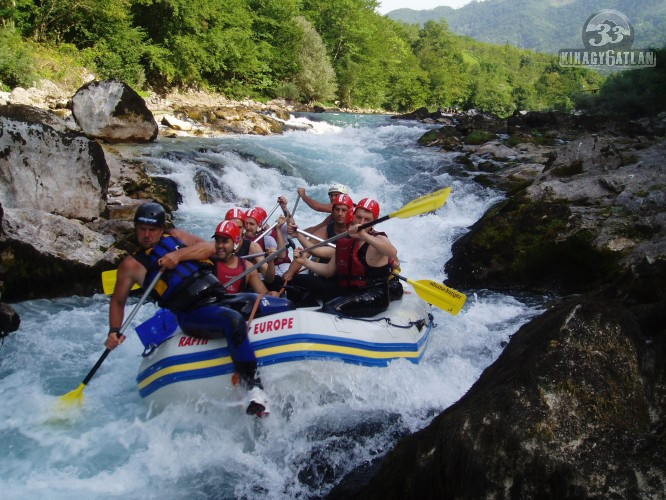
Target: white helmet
[338, 188]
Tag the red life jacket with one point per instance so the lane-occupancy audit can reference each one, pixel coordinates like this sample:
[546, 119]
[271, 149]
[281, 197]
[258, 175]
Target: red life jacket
[225, 273]
[352, 268]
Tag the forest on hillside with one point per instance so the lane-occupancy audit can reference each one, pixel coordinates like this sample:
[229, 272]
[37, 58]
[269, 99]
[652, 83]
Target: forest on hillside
[543, 25]
[312, 51]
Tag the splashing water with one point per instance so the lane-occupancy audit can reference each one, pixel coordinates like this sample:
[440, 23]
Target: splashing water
[327, 417]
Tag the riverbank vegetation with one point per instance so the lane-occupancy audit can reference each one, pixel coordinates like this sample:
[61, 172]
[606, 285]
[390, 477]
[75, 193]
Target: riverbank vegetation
[327, 51]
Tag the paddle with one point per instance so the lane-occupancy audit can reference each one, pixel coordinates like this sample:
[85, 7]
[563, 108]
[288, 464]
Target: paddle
[309, 235]
[109, 281]
[421, 205]
[76, 396]
[264, 233]
[293, 210]
[271, 257]
[437, 294]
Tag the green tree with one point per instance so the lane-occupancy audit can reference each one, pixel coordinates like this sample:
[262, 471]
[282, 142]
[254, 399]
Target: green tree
[315, 78]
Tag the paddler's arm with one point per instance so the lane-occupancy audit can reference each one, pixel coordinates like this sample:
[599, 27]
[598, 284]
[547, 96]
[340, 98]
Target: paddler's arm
[267, 269]
[129, 273]
[199, 251]
[379, 243]
[188, 238]
[257, 285]
[326, 270]
[314, 204]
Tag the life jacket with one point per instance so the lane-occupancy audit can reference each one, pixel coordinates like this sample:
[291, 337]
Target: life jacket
[244, 249]
[225, 273]
[171, 289]
[330, 230]
[352, 269]
[279, 260]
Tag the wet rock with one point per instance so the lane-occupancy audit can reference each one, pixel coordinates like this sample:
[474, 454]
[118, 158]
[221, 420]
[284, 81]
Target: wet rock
[45, 166]
[9, 320]
[176, 124]
[235, 119]
[112, 111]
[595, 211]
[46, 255]
[573, 408]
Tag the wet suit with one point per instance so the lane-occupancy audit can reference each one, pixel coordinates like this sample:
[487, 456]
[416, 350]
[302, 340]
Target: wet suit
[198, 299]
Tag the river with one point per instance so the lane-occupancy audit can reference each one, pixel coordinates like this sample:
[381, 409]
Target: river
[328, 418]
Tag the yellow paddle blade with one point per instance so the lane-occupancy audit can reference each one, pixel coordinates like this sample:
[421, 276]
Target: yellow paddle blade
[426, 203]
[439, 295]
[72, 398]
[109, 281]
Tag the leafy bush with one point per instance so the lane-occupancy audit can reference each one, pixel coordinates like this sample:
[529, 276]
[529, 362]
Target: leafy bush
[16, 61]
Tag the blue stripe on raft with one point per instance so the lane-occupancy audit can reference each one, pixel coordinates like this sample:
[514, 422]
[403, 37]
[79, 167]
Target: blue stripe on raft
[277, 358]
[181, 359]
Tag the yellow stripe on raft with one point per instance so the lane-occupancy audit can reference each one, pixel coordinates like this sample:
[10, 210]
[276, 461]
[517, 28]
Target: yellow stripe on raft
[197, 365]
[271, 351]
[309, 346]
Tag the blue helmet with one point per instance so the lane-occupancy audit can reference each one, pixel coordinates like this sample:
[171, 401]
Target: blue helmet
[152, 214]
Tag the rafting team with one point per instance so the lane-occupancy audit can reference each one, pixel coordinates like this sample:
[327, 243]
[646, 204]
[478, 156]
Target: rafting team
[198, 276]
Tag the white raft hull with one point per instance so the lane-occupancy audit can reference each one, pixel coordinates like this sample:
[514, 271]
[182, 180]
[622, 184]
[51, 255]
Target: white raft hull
[186, 368]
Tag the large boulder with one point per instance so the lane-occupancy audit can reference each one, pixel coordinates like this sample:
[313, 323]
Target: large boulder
[573, 408]
[112, 111]
[45, 166]
[596, 209]
[45, 255]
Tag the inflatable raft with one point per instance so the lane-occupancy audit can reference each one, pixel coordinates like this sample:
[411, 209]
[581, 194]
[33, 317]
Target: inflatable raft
[185, 368]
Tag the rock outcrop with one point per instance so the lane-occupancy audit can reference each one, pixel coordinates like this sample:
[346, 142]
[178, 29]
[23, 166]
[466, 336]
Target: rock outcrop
[46, 255]
[573, 408]
[112, 111]
[9, 320]
[45, 166]
[597, 207]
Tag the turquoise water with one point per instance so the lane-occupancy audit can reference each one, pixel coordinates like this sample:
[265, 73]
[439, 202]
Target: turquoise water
[327, 417]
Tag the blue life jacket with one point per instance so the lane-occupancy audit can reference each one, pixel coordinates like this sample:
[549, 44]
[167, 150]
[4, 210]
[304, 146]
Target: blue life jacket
[171, 288]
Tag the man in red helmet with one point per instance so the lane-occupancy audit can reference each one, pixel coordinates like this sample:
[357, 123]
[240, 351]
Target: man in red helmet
[342, 208]
[269, 241]
[249, 247]
[361, 268]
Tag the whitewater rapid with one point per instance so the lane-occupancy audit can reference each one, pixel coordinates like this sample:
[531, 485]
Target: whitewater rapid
[328, 418]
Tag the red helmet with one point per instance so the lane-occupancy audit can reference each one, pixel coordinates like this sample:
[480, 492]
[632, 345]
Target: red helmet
[258, 214]
[369, 204]
[235, 213]
[230, 230]
[343, 199]
[350, 216]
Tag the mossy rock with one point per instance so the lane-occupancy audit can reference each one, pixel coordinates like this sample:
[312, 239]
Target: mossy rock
[525, 245]
[476, 137]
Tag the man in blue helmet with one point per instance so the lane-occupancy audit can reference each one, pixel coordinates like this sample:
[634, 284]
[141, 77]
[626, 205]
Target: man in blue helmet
[189, 289]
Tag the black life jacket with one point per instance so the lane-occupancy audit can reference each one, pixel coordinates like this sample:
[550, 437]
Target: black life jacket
[352, 269]
[171, 289]
[244, 249]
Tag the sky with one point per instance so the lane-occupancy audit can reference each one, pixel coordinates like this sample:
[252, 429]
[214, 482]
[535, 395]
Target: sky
[389, 5]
